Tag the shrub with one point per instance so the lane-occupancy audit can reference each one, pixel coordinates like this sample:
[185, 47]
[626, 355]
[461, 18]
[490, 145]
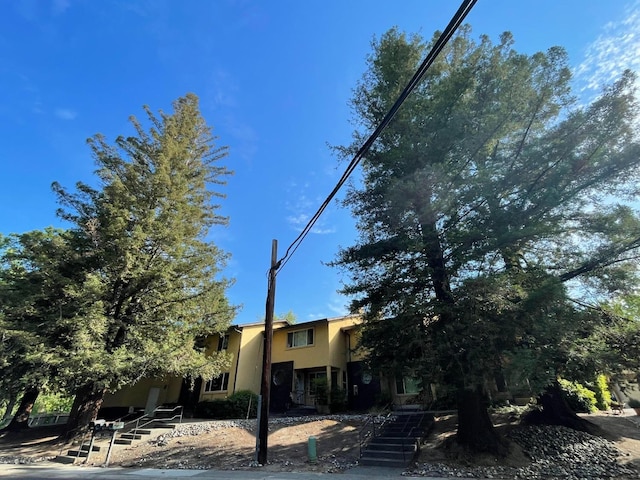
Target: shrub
[52, 403]
[337, 400]
[579, 398]
[235, 406]
[244, 400]
[603, 395]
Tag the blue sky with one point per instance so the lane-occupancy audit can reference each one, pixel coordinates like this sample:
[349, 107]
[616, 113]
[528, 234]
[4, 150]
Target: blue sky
[274, 79]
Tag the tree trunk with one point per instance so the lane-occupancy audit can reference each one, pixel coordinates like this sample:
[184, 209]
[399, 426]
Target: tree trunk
[20, 420]
[556, 411]
[475, 429]
[85, 408]
[13, 397]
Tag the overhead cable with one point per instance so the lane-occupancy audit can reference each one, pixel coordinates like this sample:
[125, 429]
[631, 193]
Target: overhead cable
[446, 35]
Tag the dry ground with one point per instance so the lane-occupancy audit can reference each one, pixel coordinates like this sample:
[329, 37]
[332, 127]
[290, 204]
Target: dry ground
[337, 445]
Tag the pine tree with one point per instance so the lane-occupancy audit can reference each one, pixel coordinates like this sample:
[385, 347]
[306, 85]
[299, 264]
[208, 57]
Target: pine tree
[489, 190]
[150, 267]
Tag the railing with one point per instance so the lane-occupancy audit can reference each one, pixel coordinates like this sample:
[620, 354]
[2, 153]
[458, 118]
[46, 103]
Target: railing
[44, 419]
[371, 429]
[407, 430]
[68, 437]
[144, 420]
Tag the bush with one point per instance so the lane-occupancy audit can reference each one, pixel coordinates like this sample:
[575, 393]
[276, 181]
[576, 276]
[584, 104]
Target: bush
[244, 400]
[235, 406]
[337, 400]
[52, 403]
[603, 395]
[579, 398]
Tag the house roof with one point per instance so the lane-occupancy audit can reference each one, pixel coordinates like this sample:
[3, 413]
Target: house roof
[284, 324]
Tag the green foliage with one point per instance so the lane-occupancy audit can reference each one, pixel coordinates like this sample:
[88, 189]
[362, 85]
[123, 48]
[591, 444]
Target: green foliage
[243, 401]
[579, 398]
[603, 395]
[337, 400]
[472, 210]
[235, 406]
[126, 291]
[383, 400]
[321, 389]
[52, 403]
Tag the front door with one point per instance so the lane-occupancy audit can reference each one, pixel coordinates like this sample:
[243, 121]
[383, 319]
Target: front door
[281, 383]
[363, 387]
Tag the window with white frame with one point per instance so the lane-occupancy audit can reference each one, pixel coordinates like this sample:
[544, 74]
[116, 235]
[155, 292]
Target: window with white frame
[223, 342]
[300, 338]
[217, 384]
[407, 385]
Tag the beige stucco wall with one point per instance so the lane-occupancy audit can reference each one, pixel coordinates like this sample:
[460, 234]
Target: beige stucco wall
[330, 349]
[311, 356]
[136, 395]
[251, 352]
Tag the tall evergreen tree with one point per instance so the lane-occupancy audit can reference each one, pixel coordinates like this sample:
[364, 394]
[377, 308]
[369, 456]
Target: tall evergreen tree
[489, 190]
[40, 306]
[150, 266]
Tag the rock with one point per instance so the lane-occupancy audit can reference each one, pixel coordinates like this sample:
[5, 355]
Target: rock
[555, 452]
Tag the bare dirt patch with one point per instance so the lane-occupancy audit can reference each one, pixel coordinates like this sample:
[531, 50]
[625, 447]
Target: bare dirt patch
[233, 447]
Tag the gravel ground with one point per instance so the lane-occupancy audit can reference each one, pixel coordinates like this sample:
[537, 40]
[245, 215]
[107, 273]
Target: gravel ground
[553, 452]
[544, 452]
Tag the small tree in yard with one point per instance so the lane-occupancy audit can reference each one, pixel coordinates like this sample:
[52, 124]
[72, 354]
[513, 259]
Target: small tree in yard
[487, 197]
[148, 265]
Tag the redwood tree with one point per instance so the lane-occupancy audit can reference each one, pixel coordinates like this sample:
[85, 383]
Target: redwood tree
[150, 266]
[488, 192]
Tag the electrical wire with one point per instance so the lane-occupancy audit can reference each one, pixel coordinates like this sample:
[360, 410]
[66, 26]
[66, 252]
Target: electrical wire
[446, 35]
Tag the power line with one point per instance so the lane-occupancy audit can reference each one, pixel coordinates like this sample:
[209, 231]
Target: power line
[446, 35]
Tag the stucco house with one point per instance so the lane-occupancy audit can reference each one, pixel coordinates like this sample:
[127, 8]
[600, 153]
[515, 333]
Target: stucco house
[301, 353]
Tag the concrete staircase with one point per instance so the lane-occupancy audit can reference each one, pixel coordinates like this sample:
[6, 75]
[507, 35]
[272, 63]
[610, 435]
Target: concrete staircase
[125, 437]
[397, 442]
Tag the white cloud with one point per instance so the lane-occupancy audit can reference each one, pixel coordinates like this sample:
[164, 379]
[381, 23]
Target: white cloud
[65, 114]
[224, 89]
[302, 208]
[615, 50]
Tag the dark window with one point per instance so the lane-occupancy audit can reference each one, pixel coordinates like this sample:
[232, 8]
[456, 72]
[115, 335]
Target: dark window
[218, 384]
[223, 342]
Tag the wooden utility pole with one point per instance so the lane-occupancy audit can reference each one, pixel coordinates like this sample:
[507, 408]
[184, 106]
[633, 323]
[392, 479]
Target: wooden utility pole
[265, 388]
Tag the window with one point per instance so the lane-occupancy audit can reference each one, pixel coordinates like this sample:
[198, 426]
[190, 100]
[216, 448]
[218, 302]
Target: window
[301, 338]
[407, 385]
[217, 384]
[223, 342]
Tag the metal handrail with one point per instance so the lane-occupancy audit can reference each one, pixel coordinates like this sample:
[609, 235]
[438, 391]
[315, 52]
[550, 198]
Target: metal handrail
[365, 436]
[152, 419]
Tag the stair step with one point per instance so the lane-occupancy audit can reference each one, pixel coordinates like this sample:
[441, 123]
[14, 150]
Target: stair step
[77, 453]
[85, 448]
[393, 447]
[405, 456]
[383, 462]
[130, 436]
[397, 440]
[122, 441]
[161, 424]
[64, 459]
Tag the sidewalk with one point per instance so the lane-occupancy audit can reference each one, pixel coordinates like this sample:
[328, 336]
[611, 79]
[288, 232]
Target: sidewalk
[53, 471]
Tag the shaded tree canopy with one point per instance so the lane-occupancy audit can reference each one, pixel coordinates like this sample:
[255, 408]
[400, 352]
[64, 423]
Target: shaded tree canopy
[491, 195]
[143, 279]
